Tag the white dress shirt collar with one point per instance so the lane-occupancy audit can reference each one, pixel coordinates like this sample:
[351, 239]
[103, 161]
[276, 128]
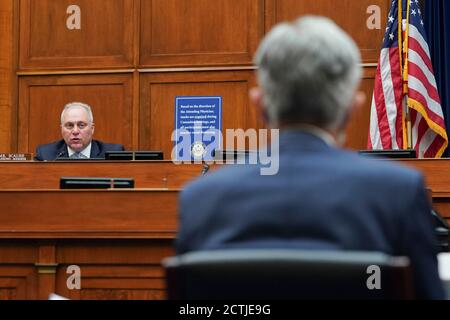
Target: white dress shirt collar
[85, 152]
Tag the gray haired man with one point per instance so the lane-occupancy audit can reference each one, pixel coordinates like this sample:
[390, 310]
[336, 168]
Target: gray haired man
[322, 198]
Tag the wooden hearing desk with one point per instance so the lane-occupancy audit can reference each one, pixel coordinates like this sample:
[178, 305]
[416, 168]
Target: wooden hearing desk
[160, 174]
[45, 175]
[165, 174]
[117, 237]
[437, 178]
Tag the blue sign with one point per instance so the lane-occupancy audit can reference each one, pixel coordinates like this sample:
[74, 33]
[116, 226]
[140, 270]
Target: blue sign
[198, 128]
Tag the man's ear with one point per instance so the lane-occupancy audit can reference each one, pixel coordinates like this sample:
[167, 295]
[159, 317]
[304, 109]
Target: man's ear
[256, 97]
[358, 101]
[93, 127]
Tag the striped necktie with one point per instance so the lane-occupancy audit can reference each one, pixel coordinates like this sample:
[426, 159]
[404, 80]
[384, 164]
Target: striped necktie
[77, 155]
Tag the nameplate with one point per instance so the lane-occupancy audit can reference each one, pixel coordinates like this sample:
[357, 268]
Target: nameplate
[15, 156]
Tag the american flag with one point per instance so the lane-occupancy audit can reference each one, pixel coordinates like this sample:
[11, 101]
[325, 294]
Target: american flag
[405, 74]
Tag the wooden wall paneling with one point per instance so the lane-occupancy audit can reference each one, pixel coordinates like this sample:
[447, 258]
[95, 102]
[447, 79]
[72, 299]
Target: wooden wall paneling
[135, 114]
[115, 270]
[119, 248]
[18, 282]
[136, 75]
[200, 32]
[18, 275]
[351, 15]
[43, 97]
[105, 39]
[6, 74]
[116, 282]
[358, 128]
[159, 90]
[46, 268]
[114, 251]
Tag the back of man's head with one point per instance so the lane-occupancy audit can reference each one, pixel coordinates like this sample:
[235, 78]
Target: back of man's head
[309, 71]
[78, 105]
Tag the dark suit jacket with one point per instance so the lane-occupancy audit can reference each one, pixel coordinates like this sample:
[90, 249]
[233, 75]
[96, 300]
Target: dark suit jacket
[321, 198]
[58, 149]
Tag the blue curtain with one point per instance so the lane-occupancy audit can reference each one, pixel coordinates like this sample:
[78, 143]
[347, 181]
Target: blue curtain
[437, 25]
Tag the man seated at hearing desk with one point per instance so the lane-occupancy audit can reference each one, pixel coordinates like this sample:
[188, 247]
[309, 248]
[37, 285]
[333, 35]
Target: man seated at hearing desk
[77, 129]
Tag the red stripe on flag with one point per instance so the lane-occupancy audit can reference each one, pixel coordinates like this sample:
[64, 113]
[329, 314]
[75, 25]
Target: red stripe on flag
[398, 93]
[415, 46]
[417, 72]
[433, 149]
[421, 130]
[416, 95]
[413, 116]
[383, 122]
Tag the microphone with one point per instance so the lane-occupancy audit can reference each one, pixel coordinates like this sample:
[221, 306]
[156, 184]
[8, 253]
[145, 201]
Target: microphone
[59, 155]
[205, 169]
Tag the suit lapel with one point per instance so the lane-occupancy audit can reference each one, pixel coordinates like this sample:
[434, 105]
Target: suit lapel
[63, 151]
[95, 150]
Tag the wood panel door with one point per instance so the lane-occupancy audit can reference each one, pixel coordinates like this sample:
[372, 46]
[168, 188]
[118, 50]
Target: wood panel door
[67, 34]
[18, 275]
[200, 32]
[114, 270]
[358, 128]
[350, 15]
[159, 90]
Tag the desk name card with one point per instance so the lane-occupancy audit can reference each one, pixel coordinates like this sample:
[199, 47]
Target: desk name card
[15, 156]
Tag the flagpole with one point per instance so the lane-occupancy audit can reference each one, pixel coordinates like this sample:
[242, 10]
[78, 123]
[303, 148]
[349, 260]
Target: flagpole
[408, 122]
[405, 136]
[406, 109]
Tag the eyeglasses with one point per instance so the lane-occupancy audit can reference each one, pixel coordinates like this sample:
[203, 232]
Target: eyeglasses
[80, 125]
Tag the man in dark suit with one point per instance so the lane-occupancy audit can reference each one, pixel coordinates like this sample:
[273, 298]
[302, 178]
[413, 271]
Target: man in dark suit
[77, 129]
[322, 197]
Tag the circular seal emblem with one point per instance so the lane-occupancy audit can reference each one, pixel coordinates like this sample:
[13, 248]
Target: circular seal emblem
[198, 149]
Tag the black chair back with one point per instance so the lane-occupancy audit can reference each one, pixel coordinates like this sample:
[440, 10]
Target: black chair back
[287, 274]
